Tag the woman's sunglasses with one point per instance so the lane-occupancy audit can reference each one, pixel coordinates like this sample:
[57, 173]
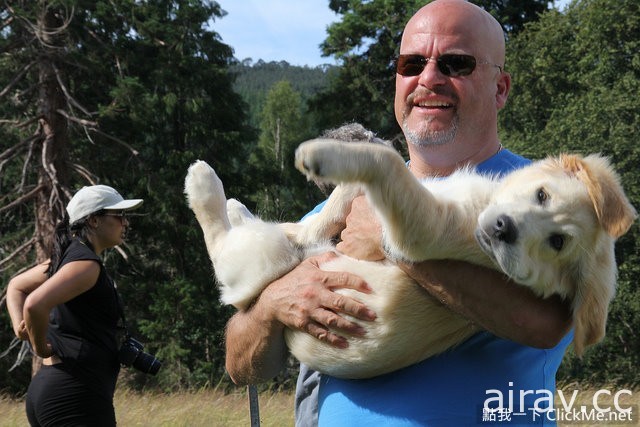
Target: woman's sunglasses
[449, 64]
[120, 215]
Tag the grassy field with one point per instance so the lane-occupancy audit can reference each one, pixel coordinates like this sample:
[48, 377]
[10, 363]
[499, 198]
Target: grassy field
[215, 408]
[205, 408]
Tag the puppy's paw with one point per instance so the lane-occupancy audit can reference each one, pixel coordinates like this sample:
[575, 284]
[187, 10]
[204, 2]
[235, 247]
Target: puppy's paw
[203, 188]
[319, 159]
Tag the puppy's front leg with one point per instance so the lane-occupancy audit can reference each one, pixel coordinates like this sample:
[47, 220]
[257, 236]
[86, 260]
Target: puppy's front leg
[330, 221]
[416, 225]
[327, 160]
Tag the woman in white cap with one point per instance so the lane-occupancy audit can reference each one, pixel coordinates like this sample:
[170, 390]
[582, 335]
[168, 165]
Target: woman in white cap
[68, 309]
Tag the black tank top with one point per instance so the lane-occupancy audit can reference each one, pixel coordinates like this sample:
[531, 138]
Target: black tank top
[83, 331]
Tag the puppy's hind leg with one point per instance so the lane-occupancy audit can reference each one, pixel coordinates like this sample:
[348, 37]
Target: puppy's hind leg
[206, 198]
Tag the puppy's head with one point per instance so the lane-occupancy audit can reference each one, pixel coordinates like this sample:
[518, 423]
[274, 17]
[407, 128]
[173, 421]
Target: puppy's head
[552, 226]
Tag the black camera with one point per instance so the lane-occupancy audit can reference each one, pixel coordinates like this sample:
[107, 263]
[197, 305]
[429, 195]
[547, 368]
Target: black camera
[131, 354]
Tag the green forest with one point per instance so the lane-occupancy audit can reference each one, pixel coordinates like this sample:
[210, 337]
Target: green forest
[129, 94]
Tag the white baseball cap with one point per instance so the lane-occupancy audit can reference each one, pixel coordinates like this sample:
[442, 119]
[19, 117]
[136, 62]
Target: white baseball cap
[95, 198]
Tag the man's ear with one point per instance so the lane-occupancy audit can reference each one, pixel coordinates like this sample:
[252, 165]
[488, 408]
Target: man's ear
[503, 87]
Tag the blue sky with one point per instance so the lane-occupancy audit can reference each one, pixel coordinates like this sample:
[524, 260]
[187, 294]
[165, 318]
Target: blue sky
[275, 30]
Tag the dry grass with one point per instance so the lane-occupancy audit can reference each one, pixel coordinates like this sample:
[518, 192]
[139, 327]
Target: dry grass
[192, 409]
[215, 408]
[204, 408]
[12, 413]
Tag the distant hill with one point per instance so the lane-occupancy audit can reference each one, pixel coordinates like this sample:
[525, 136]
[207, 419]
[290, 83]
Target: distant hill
[254, 81]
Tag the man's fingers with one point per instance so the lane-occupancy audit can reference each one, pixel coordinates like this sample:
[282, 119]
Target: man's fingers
[336, 322]
[327, 325]
[323, 334]
[343, 280]
[311, 302]
[317, 260]
[347, 305]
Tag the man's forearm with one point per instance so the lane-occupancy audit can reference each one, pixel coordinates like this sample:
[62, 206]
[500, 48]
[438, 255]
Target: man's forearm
[304, 300]
[489, 299]
[255, 347]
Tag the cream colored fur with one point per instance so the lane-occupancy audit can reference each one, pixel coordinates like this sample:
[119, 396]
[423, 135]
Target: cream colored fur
[550, 226]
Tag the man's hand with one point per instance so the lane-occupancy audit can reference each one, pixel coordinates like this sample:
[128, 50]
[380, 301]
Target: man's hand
[305, 299]
[362, 237]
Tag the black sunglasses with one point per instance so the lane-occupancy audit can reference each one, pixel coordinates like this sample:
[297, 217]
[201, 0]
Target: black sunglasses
[449, 64]
[120, 215]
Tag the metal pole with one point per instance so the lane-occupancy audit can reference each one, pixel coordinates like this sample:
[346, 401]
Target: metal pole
[254, 410]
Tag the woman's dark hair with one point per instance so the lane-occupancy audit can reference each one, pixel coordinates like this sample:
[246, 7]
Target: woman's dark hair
[62, 237]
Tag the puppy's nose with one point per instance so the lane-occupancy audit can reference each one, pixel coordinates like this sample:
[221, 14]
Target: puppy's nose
[505, 229]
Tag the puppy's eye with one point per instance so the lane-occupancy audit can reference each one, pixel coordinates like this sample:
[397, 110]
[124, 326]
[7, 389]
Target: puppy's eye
[556, 241]
[542, 196]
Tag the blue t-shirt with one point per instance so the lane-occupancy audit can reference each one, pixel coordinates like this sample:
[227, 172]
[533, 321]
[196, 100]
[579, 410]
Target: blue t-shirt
[480, 382]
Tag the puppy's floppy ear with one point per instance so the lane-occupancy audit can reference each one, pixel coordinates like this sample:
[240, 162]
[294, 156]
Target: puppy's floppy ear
[613, 209]
[591, 307]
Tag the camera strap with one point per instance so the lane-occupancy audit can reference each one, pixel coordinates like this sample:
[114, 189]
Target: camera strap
[120, 305]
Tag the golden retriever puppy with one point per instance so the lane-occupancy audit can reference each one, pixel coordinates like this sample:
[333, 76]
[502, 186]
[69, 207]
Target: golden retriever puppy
[550, 226]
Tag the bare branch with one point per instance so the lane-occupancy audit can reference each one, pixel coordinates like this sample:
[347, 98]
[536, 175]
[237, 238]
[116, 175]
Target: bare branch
[16, 79]
[44, 34]
[27, 122]
[85, 173]
[18, 124]
[27, 160]
[93, 127]
[48, 167]
[119, 141]
[14, 342]
[88, 135]
[22, 354]
[76, 119]
[22, 248]
[11, 151]
[22, 199]
[70, 98]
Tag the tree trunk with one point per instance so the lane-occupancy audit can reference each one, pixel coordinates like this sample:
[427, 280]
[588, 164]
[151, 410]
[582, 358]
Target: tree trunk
[53, 136]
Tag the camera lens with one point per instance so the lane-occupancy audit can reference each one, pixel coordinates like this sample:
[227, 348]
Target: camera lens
[147, 363]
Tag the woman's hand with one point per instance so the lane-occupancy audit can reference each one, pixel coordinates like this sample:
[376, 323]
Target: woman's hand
[22, 332]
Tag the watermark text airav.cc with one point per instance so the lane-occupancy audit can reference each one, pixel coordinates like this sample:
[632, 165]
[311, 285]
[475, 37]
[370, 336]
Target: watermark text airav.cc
[603, 406]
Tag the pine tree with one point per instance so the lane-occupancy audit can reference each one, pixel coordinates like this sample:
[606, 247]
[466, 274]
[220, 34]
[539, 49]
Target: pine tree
[128, 94]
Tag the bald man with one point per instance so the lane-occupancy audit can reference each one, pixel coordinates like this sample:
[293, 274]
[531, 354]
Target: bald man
[450, 85]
